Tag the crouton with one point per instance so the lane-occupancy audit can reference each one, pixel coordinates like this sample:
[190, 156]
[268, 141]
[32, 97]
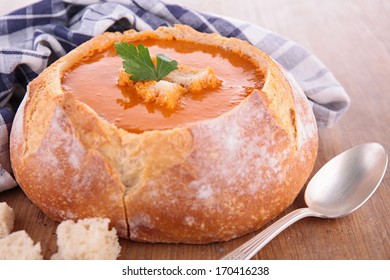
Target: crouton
[168, 91]
[163, 93]
[194, 79]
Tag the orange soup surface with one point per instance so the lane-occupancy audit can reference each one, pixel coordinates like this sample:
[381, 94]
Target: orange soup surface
[94, 82]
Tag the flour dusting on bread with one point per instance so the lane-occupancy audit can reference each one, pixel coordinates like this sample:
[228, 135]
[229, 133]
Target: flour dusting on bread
[261, 163]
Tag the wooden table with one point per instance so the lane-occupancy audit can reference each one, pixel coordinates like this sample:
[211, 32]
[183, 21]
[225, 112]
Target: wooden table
[352, 38]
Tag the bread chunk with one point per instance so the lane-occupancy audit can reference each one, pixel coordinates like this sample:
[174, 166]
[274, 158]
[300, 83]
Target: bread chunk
[163, 93]
[19, 246]
[7, 218]
[86, 239]
[194, 79]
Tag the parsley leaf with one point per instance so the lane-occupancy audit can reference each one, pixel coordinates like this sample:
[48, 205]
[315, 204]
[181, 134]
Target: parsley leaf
[165, 65]
[139, 65]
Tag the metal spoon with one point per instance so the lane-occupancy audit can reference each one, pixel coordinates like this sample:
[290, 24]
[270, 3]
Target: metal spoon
[340, 187]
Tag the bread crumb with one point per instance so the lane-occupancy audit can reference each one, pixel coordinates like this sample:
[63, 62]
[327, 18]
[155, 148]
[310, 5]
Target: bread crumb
[19, 246]
[194, 79]
[87, 239]
[7, 218]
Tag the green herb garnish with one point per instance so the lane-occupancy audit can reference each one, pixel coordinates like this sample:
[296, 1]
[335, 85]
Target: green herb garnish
[139, 65]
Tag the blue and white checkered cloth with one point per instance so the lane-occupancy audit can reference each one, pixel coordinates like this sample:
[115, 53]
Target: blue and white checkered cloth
[33, 37]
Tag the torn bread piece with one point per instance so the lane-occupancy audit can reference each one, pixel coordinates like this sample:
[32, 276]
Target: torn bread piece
[7, 218]
[87, 239]
[194, 79]
[19, 246]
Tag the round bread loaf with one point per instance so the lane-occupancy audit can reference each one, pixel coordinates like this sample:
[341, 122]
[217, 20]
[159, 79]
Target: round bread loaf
[206, 181]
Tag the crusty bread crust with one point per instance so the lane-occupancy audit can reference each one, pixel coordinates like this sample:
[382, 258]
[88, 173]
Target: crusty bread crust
[211, 180]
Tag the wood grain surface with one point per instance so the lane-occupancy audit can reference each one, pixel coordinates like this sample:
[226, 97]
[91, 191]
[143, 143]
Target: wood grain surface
[352, 38]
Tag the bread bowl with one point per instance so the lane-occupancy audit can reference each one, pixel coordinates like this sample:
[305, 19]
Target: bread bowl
[207, 179]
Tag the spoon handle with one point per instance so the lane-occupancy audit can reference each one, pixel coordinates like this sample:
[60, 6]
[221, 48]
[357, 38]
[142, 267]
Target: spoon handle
[251, 247]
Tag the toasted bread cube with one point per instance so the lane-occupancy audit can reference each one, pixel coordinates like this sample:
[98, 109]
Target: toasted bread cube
[194, 79]
[163, 93]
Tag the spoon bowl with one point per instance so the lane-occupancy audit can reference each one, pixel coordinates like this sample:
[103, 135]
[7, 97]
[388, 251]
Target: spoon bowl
[347, 181]
[340, 187]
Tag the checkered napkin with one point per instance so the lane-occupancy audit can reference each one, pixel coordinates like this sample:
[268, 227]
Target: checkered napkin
[33, 37]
